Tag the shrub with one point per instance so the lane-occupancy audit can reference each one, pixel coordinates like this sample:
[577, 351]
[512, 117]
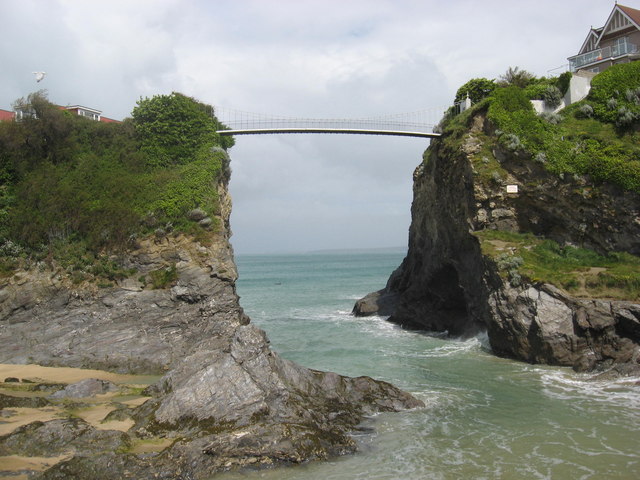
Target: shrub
[476, 88]
[633, 95]
[552, 96]
[551, 117]
[511, 142]
[540, 157]
[507, 261]
[512, 112]
[563, 81]
[515, 77]
[625, 117]
[618, 86]
[585, 111]
[172, 128]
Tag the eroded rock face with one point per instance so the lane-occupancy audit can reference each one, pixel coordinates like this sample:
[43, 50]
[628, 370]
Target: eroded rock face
[446, 284]
[440, 284]
[544, 325]
[226, 399]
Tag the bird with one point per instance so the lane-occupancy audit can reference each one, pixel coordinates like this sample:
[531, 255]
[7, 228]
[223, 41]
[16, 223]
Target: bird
[39, 76]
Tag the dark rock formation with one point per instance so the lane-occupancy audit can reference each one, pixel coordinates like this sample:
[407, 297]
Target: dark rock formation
[446, 284]
[440, 284]
[8, 401]
[57, 437]
[226, 400]
[544, 325]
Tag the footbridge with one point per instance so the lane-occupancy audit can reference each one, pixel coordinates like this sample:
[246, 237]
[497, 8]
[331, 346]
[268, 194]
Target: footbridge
[413, 124]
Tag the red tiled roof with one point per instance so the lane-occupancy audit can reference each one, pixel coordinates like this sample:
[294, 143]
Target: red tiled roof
[109, 120]
[632, 13]
[6, 115]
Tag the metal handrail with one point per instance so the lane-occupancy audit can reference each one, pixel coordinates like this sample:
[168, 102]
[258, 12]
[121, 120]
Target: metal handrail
[600, 54]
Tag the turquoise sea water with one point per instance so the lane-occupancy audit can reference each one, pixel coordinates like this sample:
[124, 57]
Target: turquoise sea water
[485, 417]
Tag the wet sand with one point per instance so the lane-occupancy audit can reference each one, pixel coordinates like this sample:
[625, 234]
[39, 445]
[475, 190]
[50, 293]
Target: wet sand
[93, 409]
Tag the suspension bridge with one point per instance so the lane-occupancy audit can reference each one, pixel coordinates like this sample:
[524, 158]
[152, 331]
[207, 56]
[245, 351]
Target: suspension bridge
[413, 124]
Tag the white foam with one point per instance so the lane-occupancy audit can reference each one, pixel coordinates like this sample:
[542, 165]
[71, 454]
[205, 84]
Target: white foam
[565, 384]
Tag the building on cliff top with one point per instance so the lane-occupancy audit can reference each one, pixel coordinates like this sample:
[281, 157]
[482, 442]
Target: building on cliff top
[6, 115]
[86, 112]
[90, 113]
[616, 42]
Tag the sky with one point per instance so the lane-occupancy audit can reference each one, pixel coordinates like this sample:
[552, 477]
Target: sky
[304, 58]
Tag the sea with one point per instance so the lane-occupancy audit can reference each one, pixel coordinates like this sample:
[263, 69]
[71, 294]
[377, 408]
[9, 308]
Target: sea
[485, 417]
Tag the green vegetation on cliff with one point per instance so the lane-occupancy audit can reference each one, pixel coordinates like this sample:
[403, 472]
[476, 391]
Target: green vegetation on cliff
[580, 271]
[597, 137]
[75, 190]
[591, 144]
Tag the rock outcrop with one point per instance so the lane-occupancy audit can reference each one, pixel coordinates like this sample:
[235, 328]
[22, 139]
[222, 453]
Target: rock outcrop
[445, 283]
[226, 399]
[541, 324]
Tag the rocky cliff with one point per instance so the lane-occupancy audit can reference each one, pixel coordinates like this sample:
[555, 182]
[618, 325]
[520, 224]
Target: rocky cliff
[226, 399]
[447, 282]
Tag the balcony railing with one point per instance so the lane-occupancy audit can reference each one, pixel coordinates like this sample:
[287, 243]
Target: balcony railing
[596, 56]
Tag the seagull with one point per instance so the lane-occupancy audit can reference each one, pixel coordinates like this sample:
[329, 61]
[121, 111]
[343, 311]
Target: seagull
[39, 76]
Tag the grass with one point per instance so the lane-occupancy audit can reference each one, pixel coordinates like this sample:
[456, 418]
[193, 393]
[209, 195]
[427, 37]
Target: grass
[579, 271]
[164, 277]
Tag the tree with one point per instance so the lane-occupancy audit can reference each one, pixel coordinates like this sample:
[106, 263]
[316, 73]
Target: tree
[476, 88]
[45, 135]
[173, 127]
[515, 77]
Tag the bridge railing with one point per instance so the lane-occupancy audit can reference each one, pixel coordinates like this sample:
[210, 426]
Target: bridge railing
[422, 121]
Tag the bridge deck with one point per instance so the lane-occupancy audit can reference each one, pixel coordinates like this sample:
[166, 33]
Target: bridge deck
[352, 131]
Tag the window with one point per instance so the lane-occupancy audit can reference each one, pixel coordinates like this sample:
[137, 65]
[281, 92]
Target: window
[620, 46]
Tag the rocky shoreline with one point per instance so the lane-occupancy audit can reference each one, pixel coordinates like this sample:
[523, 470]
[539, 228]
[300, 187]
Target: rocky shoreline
[447, 284]
[225, 399]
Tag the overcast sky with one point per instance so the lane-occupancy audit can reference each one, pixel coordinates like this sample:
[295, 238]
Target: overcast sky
[305, 58]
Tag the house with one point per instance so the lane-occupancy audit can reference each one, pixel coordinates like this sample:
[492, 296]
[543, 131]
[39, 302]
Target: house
[616, 42]
[86, 112]
[6, 115]
[90, 113]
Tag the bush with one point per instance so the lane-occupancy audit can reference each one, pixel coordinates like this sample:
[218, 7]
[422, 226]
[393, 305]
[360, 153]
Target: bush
[552, 96]
[633, 95]
[540, 157]
[512, 112]
[625, 117]
[511, 142]
[515, 77]
[563, 81]
[173, 127]
[552, 118]
[585, 111]
[476, 88]
[618, 86]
